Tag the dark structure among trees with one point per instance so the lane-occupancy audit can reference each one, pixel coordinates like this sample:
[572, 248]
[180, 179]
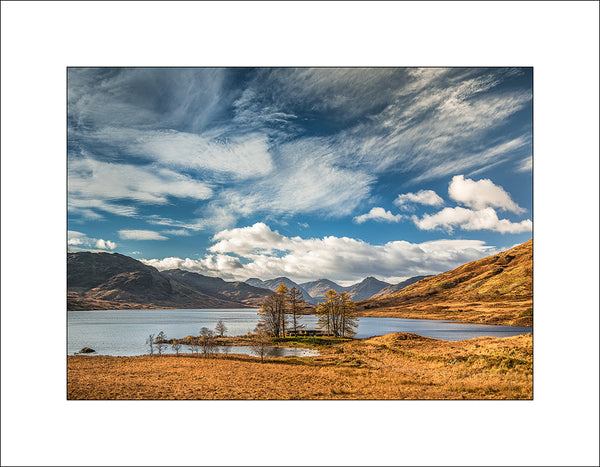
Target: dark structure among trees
[281, 313]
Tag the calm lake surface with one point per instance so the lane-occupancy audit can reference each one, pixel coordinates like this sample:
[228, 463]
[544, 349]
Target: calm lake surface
[124, 332]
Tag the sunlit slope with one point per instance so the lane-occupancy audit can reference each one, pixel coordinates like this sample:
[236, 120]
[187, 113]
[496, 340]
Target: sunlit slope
[495, 290]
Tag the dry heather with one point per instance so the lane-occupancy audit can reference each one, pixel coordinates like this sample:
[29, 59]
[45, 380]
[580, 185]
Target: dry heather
[395, 366]
[493, 290]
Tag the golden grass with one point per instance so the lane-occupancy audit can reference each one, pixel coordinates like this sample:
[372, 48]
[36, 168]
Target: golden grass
[395, 366]
[493, 290]
[507, 312]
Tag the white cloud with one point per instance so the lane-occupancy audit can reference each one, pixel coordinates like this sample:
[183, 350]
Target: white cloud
[439, 129]
[89, 207]
[105, 244]
[427, 197]
[94, 184]
[127, 97]
[177, 232]
[140, 235]
[243, 156]
[525, 165]
[481, 194]
[267, 254]
[78, 241]
[378, 214]
[467, 219]
[493, 155]
[246, 240]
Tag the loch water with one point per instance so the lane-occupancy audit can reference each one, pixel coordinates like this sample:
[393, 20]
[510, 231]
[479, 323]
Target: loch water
[124, 332]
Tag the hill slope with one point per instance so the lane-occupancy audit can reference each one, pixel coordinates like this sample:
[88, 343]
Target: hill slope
[390, 289]
[494, 290]
[100, 281]
[366, 288]
[272, 284]
[218, 288]
[317, 288]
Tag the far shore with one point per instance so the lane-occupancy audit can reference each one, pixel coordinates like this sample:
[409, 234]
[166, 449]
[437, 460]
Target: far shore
[500, 314]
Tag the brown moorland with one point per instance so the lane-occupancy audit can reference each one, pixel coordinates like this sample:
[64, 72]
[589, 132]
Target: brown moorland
[394, 366]
[493, 290]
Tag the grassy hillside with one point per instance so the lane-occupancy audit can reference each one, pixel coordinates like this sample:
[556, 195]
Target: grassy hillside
[493, 290]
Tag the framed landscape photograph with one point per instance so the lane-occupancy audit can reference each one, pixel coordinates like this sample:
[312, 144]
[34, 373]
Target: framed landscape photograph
[299, 233]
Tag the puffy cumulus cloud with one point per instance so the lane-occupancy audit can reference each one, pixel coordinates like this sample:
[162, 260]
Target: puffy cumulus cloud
[481, 194]
[427, 197]
[245, 240]
[223, 266]
[378, 214]
[140, 235]
[467, 219]
[78, 241]
[258, 251]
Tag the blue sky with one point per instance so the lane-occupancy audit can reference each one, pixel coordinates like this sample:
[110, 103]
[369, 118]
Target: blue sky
[260, 172]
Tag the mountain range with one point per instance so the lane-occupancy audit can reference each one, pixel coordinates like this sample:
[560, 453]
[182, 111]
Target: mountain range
[100, 281]
[315, 291]
[497, 289]
[113, 281]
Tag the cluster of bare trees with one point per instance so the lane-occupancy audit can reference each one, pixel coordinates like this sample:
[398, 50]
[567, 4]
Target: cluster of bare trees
[337, 314]
[282, 309]
[205, 343]
[159, 341]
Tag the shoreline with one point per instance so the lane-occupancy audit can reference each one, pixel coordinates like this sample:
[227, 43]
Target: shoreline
[389, 367]
[450, 315]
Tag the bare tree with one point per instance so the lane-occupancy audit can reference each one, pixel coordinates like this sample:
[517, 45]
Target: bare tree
[261, 341]
[160, 341]
[207, 342]
[220, 328]
[192, 343]
[176, 346]
[150, 342]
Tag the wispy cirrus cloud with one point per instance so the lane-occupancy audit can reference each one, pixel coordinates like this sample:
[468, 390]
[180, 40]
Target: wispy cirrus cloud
[241, 156]
[526, 164]
[141, 235]
[211, 149]
[442, 129]
[95, 185]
